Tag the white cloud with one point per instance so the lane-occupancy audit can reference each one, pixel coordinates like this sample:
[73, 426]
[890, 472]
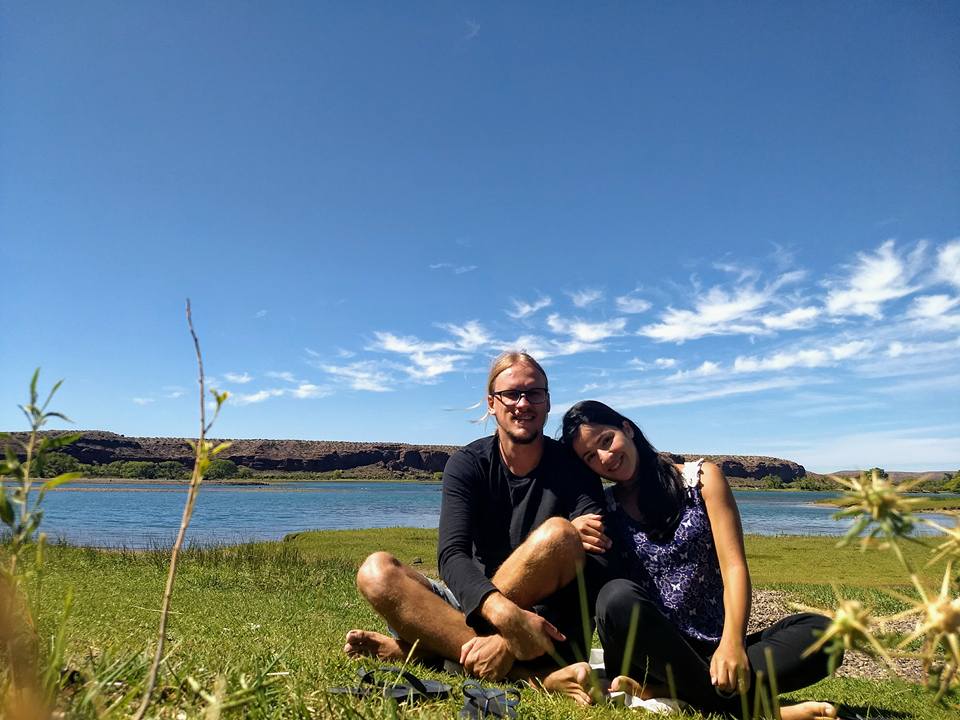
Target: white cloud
[142, 400]
[308, 390]
[677, 395]
[706, 369]
[589, 387]
[237, 378]
[543, 349]
[875, 279]
[586, 332]
[173, 392]
[428, 363]
[665, 362]
[719, 312]
[810, 358]
[283, 375]
[440, 265]
[948, 262]
[363, 375]
[522, 309]
[931, 306]
[256, 397]
[585, 297]
[631, 304]
[801, 317]
[897, 348]
[461, 269]
[260, 314]
[470, 336]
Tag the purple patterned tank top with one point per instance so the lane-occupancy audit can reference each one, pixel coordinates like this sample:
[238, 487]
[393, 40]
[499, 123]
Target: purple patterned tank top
[681, 575]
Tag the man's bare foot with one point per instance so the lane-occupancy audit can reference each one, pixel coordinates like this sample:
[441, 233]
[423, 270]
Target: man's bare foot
[808, 711]
[574, 681]
[623, 683]
[366, 643]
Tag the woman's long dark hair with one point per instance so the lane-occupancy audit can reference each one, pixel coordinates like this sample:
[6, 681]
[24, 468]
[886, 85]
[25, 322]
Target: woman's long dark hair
[661, 485]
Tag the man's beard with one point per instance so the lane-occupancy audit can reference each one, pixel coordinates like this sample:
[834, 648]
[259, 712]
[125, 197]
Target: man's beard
[523, 439]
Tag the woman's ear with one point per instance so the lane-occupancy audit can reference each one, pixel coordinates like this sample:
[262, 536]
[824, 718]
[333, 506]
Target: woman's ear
[628, 429]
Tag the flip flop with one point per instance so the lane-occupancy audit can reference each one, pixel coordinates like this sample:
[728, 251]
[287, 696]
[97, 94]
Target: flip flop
[399, 684]
[489, 702]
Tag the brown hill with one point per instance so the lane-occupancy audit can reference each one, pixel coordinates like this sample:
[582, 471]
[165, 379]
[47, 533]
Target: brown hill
[99, 447]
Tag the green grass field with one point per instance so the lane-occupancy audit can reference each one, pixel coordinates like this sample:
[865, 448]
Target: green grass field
[271, 618]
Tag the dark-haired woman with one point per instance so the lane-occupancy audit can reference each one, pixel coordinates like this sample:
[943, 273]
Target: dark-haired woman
[676, 535]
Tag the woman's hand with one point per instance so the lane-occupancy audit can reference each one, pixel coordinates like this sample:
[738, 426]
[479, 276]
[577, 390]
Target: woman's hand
[730, 667]
[591, 528]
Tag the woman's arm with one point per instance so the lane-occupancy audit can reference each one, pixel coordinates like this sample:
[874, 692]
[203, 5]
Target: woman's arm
[730, 660]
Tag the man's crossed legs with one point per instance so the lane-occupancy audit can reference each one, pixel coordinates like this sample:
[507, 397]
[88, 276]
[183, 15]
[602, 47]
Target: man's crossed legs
[544, 563]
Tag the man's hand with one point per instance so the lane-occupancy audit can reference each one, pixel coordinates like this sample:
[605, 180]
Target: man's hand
[527, 634]
[486, 657]
[730, 668]
[591, 529]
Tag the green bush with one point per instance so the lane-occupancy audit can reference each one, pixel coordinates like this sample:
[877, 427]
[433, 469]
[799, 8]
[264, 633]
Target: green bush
[220, 469]
[138, 469]
[58, 463]
[244, 472]
[772, 482]
[171, 470]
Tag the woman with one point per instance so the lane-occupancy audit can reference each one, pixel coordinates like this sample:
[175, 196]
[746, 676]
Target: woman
[678, 544]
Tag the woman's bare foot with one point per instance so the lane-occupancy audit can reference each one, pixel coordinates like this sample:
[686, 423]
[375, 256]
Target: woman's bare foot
[366, 643]
[623, 683]
[574, 681]
[808, 711]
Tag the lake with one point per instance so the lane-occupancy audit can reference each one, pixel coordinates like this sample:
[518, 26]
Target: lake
[137, 515]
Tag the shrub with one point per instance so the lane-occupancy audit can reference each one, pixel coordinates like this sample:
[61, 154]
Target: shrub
[138, 469]
[171, 470]
[58, 463]
[772, 482]
[219, 469]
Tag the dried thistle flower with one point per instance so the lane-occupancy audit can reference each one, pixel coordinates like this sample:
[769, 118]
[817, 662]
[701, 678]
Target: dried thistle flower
[939, 624]
[949, 547]
[876, 506]
[851, 628]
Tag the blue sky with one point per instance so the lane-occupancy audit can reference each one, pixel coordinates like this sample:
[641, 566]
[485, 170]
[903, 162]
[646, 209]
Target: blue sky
[736, 222]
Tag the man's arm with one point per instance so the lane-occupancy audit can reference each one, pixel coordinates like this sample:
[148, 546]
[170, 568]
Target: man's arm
[455, 548]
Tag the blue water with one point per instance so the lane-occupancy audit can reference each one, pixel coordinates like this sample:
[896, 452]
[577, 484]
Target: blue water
[135, 515]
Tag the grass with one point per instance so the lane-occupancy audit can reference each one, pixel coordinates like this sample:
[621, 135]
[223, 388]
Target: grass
[271, 617]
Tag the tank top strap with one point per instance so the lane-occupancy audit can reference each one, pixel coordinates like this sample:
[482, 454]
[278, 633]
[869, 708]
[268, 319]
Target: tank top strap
[691, 477]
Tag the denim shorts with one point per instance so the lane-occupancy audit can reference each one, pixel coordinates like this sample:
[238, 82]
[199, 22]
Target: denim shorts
[442, 592]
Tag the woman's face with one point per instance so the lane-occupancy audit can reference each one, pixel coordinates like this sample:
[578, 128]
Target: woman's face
[608, 450]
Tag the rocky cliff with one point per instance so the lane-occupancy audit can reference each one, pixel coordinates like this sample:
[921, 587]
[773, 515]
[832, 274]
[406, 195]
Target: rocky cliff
[98, 447]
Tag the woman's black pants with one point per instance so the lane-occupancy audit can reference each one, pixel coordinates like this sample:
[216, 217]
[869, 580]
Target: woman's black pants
[659, 644]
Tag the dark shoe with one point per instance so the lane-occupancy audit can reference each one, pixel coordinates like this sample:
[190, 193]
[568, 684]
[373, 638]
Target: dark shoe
[490, 702]
[397, 683]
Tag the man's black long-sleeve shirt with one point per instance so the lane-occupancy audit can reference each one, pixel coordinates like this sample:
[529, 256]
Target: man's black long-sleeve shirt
[486, 512]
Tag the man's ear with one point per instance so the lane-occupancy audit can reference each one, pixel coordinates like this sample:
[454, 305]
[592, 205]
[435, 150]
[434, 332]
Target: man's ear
[490, 401]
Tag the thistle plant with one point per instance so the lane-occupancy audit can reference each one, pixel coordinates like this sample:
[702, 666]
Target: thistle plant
[880, 511]
[204, 452]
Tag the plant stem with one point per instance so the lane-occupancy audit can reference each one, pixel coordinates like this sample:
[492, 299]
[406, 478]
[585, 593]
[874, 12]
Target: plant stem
[195, 480]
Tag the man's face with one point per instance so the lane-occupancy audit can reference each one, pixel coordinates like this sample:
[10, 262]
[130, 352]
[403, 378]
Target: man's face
[523, 422]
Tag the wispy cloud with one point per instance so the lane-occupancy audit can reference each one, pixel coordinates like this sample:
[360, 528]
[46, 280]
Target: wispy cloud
[665, 362]
[473, 29]
[719, 312]
[306, 390]
[284, 375]
[795, 319]
[238, 378]
[142, 400]
[585, 297]
[948, 263]
[804, 358]
[586, 332]
[173, 392]
[362, 375]
[255, 397]
[523, 309]
[631, 304]
[705, 369]
[455, 269]
[876, 278]
[650, 396]
[429, 360]
[260, 314]
[470, 336]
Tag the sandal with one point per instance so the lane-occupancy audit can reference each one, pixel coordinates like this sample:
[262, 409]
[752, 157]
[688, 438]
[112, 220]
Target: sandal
[489, 702]
[400, 684]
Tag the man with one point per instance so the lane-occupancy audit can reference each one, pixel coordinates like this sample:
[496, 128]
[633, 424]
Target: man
[508, 551]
